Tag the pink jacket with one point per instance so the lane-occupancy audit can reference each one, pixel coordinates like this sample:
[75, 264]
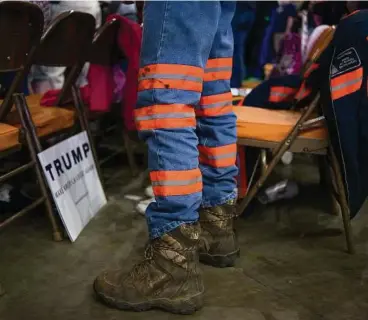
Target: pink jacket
[101, 80]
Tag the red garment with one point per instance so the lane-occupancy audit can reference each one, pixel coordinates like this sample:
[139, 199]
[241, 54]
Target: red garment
[101, 83]
[50, 97]
[101, 80]
[129, 40]
[100, 90]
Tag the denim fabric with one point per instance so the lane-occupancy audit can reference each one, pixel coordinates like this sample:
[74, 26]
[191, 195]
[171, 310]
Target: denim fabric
[242, 24]
[187, 33]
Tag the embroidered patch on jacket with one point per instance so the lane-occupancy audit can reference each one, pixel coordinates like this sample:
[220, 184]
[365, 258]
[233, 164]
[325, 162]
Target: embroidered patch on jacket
[344, 62]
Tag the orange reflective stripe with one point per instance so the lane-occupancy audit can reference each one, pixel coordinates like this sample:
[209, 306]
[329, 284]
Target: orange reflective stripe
[219, 62]
[169, 84]
[218, 157]
[164, 117]
[170, 76]
[217, 75]
[218, 69]
[173, 69]
[175, 183]
[280, 94]
[216, 98]
[311, 68]
[215, 105]
[303, 92]
[346, 83]
[215, 111]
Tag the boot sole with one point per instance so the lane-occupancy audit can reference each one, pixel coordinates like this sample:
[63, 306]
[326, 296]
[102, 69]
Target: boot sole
[219, 261]
[184, 306]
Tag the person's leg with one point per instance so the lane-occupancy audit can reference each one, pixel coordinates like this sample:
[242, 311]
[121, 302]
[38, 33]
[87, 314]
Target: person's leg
[241, 25]
[177, 40]
[216, 129]
[238, 74]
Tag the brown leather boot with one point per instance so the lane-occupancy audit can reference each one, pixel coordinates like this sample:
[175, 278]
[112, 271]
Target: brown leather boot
[218, 244]
[168, 278]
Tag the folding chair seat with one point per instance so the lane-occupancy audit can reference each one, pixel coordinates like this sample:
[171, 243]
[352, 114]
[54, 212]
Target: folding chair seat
[47, 120]
[9, 137]
[265, 128]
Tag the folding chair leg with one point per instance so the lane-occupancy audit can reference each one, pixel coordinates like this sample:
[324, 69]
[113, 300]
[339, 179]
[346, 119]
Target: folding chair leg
[326, 180]
[277, 154]
[78, 102]
[259, 183]
[345, 211]
[263, 160]
[130, 154]
[34, 147]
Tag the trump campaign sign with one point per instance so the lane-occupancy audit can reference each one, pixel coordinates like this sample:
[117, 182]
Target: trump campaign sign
[72, 177]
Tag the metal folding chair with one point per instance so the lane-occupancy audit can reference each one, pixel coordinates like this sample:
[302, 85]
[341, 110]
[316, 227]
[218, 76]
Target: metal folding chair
[299, 132]
[21, 26]
[281, 131]
[66, 43]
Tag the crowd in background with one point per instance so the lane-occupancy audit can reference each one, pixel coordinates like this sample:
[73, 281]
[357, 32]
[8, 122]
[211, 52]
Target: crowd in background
[277, 32]
[265, 32]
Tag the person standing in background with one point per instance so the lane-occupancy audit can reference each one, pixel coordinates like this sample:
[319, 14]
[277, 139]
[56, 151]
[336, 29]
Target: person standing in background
[279, 24]
[242, 24]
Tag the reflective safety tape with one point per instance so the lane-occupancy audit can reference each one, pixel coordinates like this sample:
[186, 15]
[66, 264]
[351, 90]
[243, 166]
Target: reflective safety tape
[281, 94]
[170, 76]
[176, 183]
[218, 157]
[218, 69]
[346, 84]
[165, 117]
[215, 105]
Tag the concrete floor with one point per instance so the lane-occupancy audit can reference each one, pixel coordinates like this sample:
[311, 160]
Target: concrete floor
[288, 270]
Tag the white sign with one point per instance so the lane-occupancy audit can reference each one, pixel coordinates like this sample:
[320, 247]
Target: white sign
[74, 183]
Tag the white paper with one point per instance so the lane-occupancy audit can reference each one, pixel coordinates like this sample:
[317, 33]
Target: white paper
[74, 183]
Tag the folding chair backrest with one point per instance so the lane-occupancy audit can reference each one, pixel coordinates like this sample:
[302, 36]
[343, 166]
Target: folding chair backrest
[67, 43]
[105, 50]
[67, 40]
[319, 46]
[21, 26]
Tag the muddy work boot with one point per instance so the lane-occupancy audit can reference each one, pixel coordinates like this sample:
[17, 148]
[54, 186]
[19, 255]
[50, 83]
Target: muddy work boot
[168, 278]
[218, 244]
